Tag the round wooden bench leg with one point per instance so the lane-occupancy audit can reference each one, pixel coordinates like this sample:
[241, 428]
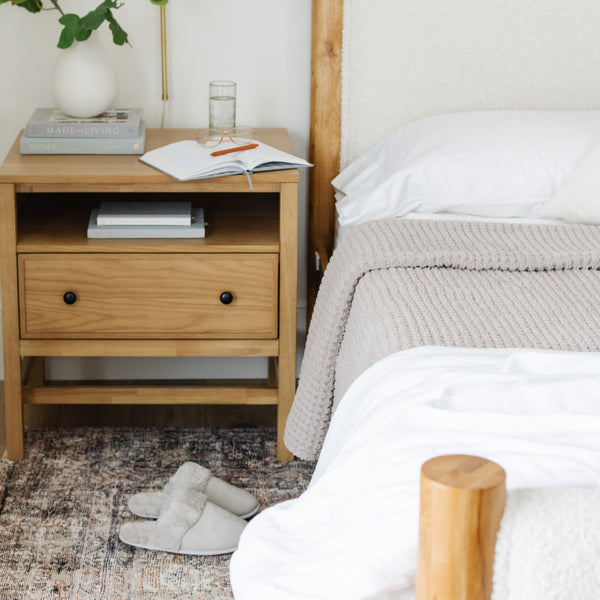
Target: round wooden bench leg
[462, 501]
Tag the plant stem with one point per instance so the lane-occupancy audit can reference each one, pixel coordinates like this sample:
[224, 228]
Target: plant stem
[57, 7]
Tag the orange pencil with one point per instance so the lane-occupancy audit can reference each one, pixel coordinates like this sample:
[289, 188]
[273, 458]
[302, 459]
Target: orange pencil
[236, 149]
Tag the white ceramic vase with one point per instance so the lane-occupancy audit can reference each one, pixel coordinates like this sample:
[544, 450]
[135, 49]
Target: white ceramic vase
[84, 82]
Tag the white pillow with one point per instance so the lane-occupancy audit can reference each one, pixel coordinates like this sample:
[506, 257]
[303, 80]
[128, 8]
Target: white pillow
[487, 163]
[577, 199]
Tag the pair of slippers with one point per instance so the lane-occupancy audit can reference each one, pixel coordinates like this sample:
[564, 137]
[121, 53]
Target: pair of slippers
[195, 513]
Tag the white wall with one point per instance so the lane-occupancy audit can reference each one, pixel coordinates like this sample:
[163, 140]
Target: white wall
[263, 45]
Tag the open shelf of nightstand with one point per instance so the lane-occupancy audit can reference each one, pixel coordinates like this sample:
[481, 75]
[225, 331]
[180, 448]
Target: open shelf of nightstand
[58, 223]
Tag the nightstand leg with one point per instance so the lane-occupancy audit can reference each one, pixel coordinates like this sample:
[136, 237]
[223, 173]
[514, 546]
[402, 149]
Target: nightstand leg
[13, 406]
[288, 285]
[10, 323]
[287, 387]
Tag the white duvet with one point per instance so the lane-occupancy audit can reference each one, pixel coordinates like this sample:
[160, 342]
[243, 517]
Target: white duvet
[353, 533]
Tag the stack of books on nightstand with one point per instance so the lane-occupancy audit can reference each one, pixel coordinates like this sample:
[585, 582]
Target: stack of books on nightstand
[146, 220]
[51, 131]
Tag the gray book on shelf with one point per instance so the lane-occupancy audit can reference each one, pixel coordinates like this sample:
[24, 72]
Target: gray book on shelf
[144, 213]
[82, 145]
[51, 122]
[195, 230]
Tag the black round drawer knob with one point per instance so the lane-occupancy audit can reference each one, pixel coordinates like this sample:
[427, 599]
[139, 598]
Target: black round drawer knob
[226, 297]
[69, 297]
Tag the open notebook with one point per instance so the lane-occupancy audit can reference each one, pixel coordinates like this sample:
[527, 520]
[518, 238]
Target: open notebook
[187, 160]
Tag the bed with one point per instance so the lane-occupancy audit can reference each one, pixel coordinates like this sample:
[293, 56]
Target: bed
[464, 326]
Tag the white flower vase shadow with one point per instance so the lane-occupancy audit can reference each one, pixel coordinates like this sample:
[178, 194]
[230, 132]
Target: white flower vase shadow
[84, 83]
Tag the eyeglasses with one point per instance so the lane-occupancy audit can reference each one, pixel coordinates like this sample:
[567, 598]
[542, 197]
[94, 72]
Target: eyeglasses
[210, 138]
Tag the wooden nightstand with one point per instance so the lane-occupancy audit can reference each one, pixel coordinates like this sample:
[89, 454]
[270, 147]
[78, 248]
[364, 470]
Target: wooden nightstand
[137, 297]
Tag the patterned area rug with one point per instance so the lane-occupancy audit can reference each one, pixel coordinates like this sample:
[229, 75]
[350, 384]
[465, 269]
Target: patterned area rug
[61, 509]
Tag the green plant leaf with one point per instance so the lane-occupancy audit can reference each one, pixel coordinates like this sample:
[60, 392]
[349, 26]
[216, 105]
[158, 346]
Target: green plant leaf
[118, 34]
[69, 20]
[96, 17]
[30, 5]
[80, 28]
[69, 31]
[83, 34]
[66, 38]
[92, 20]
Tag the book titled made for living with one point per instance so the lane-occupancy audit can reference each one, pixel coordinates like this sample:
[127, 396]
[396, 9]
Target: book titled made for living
[83, 145]
[51, 122]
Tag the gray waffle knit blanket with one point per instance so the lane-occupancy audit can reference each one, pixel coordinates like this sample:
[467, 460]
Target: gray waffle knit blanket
[394, 284]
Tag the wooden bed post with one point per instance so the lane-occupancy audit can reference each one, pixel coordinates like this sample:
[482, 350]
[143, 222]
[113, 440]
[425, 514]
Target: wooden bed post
[325, 124]
[462, 501]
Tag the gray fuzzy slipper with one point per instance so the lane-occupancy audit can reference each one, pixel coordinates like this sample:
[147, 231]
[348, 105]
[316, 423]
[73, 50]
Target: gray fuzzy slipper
[241, 503]
[188, 524]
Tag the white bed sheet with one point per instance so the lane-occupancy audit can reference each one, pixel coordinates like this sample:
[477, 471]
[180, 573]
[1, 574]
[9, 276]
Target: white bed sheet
[339, 230]
[353, 533]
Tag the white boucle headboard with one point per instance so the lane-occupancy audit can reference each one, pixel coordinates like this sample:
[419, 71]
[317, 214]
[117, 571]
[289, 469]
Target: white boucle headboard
[405, 59]
[377, 64]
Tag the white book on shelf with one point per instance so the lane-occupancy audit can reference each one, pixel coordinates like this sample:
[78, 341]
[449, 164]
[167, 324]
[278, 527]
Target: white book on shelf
[144, 213]
[195, 230]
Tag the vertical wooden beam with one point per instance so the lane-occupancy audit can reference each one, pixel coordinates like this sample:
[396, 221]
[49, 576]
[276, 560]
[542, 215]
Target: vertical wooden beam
[325, 123]
[462, 501]
[272, 371]
[34, 371]
[10, 322]
[288, 286]
[163, 51]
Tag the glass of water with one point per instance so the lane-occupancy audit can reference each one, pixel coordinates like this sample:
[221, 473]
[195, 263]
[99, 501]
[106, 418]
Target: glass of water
[221, 104]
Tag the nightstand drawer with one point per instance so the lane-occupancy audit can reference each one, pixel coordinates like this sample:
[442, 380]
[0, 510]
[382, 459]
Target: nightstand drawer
[148, 295]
